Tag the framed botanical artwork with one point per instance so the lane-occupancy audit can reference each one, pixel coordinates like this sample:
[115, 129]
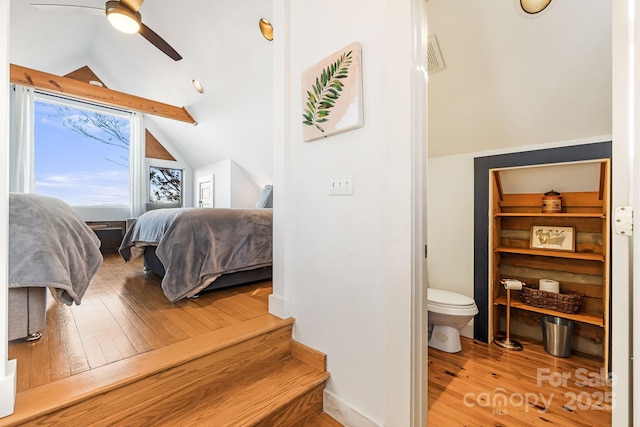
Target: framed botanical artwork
[332, 94]
[552, 238]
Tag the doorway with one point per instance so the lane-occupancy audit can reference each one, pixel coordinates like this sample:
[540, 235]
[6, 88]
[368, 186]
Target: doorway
[206, 193]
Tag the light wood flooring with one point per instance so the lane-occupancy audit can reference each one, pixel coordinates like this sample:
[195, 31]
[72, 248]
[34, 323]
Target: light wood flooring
[484, 385]
[125, 314]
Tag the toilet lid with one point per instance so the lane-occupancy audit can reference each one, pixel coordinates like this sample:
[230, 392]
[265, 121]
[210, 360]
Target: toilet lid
[448, 299]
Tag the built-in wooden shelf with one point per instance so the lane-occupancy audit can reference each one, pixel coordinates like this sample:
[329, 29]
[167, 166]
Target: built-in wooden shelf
[557, 254]
[584, 270]
[593, 319]
[551, 215]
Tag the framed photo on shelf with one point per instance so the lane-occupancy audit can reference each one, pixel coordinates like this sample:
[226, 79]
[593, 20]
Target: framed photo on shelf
[554, 238]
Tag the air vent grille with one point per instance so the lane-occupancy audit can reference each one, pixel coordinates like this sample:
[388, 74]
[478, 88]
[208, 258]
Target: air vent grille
[435, 63]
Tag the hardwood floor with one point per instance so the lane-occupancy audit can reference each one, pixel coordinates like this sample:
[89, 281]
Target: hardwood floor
[124, 313]
[484, 385]
[117, 357]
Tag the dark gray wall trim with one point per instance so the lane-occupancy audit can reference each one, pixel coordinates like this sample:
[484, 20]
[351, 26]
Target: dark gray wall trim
[482, 165]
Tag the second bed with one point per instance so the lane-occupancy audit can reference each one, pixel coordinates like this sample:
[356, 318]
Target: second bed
[196, 249]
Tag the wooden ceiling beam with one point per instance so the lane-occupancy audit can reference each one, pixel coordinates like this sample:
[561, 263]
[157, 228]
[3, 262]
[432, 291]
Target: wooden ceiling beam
[101, 95]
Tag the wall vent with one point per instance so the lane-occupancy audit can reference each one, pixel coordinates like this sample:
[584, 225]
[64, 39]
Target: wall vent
[435, 63]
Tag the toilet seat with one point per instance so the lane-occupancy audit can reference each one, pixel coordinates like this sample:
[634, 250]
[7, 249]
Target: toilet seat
[446, 302]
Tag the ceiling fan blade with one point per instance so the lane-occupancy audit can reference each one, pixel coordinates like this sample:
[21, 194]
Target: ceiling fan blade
[49, 7]
[159, 42]
[133, 5]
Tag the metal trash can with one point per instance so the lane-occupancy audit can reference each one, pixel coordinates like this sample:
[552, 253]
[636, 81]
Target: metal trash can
[557, 335]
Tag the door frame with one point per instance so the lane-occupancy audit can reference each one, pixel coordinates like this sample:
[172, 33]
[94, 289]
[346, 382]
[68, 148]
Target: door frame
[202, 179]
[626, 137]
[419, 347]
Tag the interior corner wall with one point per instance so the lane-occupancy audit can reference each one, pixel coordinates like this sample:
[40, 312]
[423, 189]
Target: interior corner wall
[349, 257]
[244, 192]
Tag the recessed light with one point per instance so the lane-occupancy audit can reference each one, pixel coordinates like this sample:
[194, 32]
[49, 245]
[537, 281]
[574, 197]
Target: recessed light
[534, 6]
[266, 28]
[197, 86]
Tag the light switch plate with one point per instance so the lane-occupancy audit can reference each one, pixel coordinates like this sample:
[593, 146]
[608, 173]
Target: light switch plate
[341, 185]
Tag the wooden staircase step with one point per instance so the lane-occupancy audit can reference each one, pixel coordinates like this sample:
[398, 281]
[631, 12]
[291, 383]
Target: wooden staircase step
[223, 356]
[281, 394]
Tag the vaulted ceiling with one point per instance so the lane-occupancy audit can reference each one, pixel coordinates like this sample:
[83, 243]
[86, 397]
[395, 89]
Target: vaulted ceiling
[511, 79]
[221, 47]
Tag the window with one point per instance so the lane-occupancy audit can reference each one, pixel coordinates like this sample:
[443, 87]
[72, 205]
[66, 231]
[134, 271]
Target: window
[165, 185]
[81, 153]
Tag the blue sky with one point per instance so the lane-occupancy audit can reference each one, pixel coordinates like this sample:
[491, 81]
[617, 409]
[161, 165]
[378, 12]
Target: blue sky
[76, 168]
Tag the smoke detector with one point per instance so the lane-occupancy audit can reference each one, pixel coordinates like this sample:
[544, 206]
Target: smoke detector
[435, 63]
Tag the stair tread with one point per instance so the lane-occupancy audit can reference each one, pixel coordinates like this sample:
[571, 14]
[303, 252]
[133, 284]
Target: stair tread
[59, 394]
[247, 402]
[197, 384]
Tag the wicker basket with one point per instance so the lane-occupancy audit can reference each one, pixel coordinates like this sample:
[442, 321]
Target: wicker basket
[564, 303]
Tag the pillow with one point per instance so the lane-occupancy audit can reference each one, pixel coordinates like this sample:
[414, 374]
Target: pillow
[266, 197]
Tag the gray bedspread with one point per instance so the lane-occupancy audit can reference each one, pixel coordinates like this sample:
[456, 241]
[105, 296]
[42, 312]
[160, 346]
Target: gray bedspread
[50, 246]
[196, 245]
[148, 230]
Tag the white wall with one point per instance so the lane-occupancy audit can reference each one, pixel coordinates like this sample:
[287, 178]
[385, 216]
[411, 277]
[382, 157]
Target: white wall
[348, 259]
[244, 192]
[232, 186]
[450, 223]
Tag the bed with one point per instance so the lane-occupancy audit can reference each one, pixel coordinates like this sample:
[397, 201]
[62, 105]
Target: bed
[198, 249]
[50, 247]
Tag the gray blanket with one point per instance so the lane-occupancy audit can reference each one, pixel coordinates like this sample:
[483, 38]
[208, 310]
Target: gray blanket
[148, 230]
[50, 246]
[196, 246]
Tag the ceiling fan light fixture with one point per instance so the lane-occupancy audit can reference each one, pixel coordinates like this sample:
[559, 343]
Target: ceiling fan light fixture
[266, 28]
[122, 18]
[534, 6]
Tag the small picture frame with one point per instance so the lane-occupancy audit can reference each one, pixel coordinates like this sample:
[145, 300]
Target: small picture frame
[550, 237]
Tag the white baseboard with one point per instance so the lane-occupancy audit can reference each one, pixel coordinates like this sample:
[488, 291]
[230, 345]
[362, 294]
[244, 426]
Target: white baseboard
[279, 306]
[8, 390]
[467, 331]
[345, 414]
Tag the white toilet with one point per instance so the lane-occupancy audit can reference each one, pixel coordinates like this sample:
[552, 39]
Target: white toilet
[448, 313]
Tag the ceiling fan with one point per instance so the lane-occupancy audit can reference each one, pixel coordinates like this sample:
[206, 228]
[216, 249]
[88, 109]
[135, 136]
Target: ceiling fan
[125, 16]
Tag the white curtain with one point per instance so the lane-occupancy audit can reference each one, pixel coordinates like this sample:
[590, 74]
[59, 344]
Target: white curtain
[137, 173]
[21, 148]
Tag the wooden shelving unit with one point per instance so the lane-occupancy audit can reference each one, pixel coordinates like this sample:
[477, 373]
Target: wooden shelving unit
[592, 319]
[584, 270]
[554, 254]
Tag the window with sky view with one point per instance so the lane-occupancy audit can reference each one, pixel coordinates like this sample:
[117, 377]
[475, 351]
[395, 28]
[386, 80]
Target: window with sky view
[81, 156]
